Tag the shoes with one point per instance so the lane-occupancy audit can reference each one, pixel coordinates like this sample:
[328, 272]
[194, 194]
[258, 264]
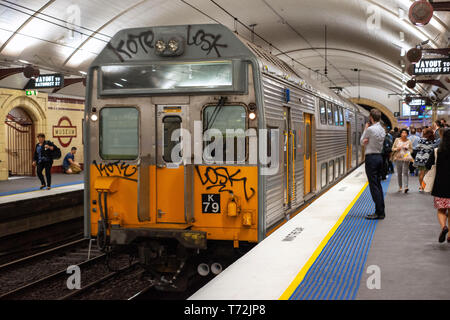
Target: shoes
[48, 188]
[406, 190]
[399, 190]
[42, 187]
[375, 216]
[443, 234]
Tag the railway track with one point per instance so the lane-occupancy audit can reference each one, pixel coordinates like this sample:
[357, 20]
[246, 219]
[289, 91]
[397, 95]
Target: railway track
[44, 276]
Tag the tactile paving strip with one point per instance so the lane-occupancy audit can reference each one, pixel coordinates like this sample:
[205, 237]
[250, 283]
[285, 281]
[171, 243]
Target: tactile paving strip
[337, 271]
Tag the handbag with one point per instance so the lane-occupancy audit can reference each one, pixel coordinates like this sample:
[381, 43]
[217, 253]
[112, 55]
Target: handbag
[428, 179]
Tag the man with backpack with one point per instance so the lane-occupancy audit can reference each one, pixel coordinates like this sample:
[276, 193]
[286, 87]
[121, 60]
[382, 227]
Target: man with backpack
[44, 154]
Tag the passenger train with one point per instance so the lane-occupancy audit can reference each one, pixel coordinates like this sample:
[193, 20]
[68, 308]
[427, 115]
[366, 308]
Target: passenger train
[149, 82]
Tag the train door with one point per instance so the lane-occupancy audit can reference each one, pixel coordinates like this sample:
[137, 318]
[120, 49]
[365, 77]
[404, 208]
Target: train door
[349, 145]
[288, 158]
[308, 154]
[170, 171]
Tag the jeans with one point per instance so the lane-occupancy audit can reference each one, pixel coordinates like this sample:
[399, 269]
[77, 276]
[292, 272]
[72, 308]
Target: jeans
[374, 166]
[47, 165]
[402, 171]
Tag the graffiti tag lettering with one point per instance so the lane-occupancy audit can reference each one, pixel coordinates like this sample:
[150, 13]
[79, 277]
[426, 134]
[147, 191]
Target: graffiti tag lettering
[108, 169]
[206, 41]
[145, 41]
[131, 46]
[220, 178]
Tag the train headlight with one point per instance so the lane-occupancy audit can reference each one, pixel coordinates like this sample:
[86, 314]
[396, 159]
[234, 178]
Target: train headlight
[252, 116]
[94, 117]
[173, 45]
[160, 46]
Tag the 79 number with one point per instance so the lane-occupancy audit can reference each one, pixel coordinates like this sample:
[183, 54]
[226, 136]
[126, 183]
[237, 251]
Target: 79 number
[214, 207]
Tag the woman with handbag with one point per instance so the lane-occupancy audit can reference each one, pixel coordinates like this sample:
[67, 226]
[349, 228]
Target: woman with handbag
[402, 149]
[424, 150]
[441, 185]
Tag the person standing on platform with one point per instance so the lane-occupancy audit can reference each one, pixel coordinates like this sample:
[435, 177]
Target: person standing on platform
[414, 138]
[69, 164]
[43, 160]
[373, 138]
[402, 149]
[425, 148]
[441, 186]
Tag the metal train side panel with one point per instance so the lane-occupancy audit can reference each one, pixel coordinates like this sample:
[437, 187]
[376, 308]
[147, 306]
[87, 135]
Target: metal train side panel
[281, 199]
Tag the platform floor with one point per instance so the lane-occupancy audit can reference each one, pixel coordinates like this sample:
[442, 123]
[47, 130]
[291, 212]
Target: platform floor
[413, 264]
[403, 248]
[21, 188]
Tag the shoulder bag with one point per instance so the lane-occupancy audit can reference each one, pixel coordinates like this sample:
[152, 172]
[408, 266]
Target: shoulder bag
[428, 179]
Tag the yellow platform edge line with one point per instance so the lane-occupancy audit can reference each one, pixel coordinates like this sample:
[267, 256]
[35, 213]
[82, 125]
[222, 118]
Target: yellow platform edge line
[301, 275]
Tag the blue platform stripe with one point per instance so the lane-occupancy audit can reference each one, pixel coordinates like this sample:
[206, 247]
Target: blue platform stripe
[337, 271]
[9, 193]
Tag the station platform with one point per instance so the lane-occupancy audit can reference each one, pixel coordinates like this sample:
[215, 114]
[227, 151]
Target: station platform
[329, 251]
[21, 188]
[24, 207]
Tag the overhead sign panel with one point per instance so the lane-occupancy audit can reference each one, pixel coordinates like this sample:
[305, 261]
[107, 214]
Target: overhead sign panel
[432, 66]
[47, 81]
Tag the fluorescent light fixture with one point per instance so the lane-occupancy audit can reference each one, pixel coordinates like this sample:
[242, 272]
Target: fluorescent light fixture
[118, 84]
[24, 61]
[125, 80]
[82, 72]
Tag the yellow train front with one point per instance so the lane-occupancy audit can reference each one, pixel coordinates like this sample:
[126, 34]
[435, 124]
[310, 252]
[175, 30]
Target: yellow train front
[159, 100]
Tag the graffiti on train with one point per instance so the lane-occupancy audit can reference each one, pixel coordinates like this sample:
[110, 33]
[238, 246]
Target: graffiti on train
[123, 168]
[145, 41]
[221, 178]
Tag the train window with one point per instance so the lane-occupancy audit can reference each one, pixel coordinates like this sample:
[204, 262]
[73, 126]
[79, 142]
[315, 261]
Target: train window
[336, 117]
[170, 124]
[308, 141]
[119, 133]
[331, 171]
[323, 112]
[323, 170]
[175, 76]
[231, 122]
[330, 113]
[341, 116]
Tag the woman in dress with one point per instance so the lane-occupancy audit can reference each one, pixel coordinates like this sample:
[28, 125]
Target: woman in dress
[402, 149]
[441, 186]
[424, 149]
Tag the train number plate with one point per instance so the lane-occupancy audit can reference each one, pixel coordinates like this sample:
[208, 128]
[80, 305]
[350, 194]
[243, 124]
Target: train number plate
[210, 203]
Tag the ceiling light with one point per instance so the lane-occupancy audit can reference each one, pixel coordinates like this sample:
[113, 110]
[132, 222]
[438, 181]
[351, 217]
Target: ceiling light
[24, 61]
[83, 73]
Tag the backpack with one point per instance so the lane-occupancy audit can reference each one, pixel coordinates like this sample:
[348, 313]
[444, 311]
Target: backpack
[387, 145]
[55, 153]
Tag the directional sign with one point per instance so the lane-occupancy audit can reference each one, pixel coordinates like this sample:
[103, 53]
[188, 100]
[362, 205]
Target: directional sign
[432, 66]
[46, 81]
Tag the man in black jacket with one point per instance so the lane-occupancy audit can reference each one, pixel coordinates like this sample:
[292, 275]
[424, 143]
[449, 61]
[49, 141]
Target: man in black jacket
[43, 160]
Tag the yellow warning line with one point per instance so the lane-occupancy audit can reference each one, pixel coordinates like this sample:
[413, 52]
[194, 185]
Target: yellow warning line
[299, 278]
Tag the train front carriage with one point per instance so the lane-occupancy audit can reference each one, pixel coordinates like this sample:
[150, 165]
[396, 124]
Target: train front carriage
[146, 86]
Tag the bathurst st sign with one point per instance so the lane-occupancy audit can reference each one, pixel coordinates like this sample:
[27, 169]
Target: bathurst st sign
[432, 66]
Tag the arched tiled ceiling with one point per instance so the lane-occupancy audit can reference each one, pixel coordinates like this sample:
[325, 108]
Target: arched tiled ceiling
[67, 35]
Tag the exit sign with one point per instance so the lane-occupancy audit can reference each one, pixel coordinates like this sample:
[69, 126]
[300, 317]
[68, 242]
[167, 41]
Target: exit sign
[31, 92]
